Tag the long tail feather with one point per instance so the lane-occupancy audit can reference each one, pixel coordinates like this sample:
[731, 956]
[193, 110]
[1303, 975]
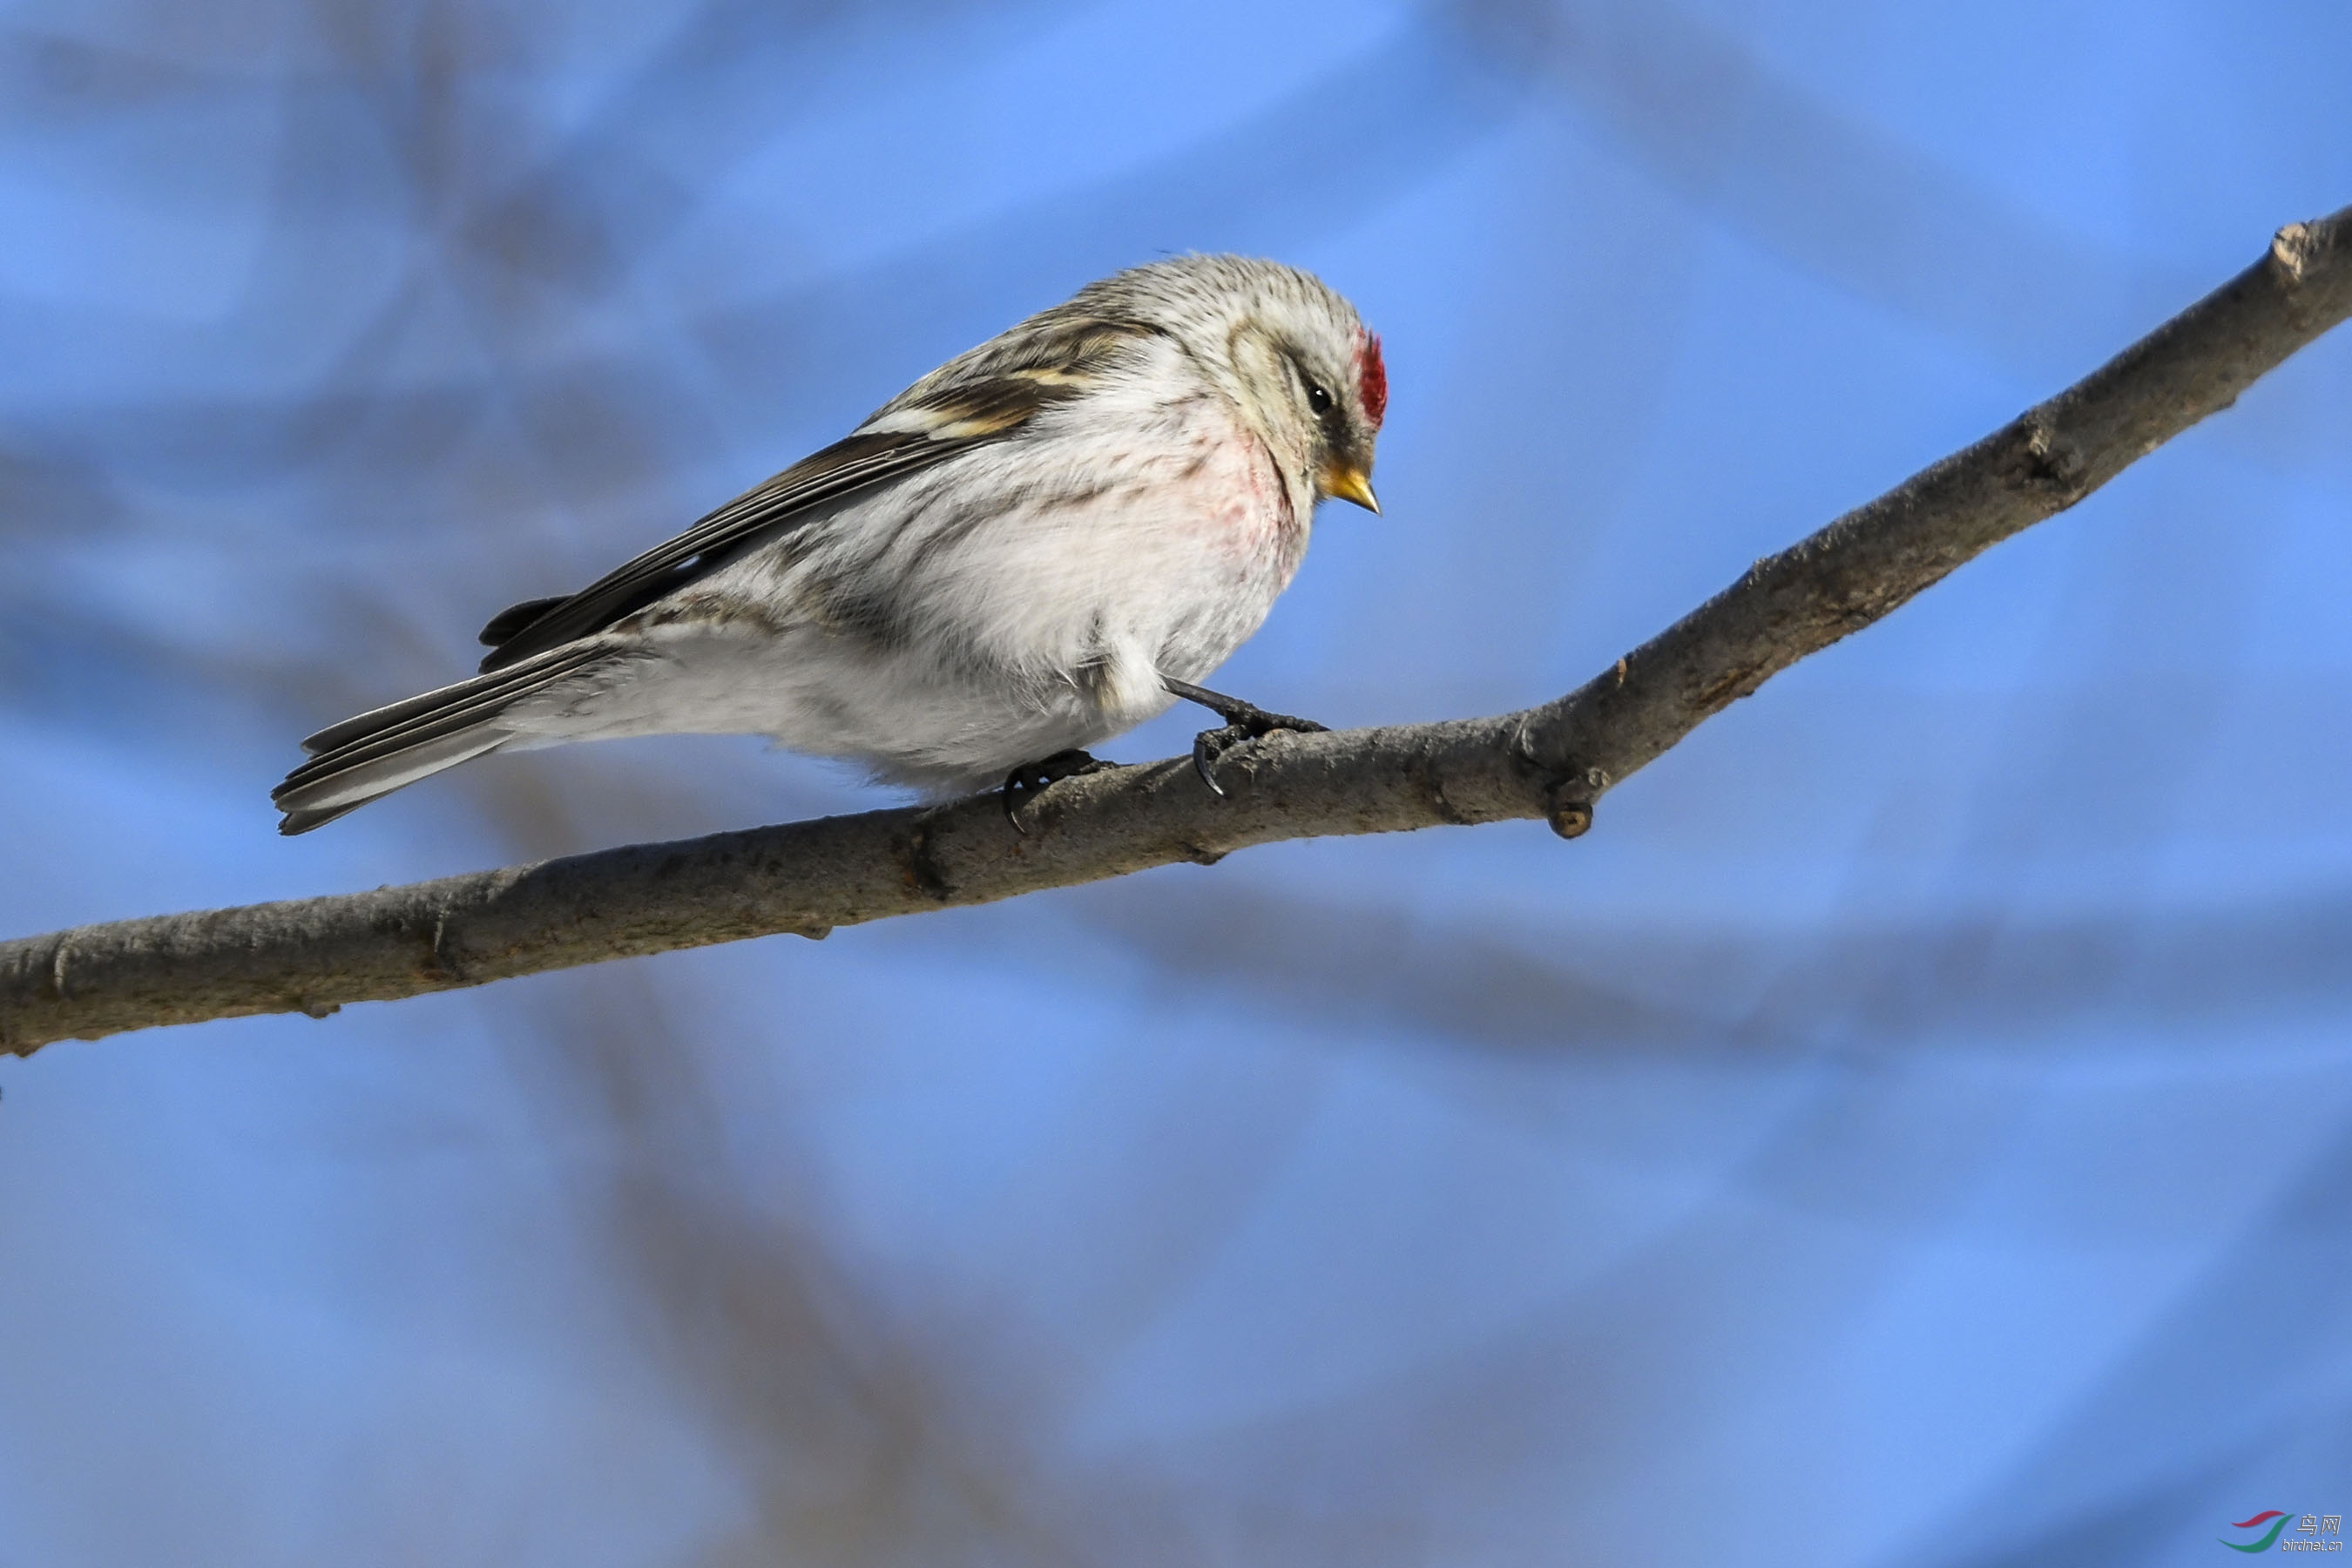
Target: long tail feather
[373, 753]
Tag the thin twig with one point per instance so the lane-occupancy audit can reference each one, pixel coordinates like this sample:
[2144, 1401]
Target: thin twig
[1555, 761]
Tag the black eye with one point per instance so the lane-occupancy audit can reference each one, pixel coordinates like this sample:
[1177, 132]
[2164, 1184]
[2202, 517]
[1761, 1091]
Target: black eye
[1318, 400]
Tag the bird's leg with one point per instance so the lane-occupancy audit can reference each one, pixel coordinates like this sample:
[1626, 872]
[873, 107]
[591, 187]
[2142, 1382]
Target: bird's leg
[1031, 778]
[1244, 722]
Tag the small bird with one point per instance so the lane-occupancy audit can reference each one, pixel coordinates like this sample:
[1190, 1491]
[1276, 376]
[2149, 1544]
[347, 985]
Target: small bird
[1039, 545]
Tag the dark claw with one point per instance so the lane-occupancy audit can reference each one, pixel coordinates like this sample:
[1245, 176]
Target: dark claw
[1203, 756]
[1034, 778]
[1244, 722]
[1248, 724]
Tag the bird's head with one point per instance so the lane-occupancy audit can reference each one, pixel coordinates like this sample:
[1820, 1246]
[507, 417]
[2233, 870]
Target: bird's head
[1316, 380]
[1290, 351]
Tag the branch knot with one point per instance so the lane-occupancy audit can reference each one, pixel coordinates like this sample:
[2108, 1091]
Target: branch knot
[1569, 801]
[439, 955]
[2053, 462]
[922, 868]
[2291, 252]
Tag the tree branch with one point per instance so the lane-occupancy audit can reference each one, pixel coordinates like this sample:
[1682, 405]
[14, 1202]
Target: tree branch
[312, 955]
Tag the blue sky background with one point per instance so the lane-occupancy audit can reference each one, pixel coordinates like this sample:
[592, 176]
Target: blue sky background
[1912, 1128]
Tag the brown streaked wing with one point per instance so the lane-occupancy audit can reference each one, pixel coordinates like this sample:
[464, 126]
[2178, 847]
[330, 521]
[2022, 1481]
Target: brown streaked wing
[959, 418]
[841, 469]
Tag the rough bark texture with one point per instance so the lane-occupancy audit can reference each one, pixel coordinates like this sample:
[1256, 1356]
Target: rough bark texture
[314, 954]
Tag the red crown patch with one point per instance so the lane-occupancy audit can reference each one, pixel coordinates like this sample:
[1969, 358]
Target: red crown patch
[1372, 378]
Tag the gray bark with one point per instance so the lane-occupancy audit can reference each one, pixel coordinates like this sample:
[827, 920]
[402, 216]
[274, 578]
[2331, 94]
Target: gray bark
[1555, 761]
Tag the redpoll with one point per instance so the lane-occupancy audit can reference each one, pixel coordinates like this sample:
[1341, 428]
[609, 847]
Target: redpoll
[1037, 546]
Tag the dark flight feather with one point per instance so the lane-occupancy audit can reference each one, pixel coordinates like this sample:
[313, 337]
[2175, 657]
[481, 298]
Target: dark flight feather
[383, 745]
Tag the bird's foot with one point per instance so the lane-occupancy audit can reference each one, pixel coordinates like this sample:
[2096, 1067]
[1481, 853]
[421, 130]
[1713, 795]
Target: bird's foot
[1035, 778]
[1245, 722]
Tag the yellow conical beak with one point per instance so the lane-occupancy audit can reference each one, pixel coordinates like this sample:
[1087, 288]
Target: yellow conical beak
[1345, 481]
